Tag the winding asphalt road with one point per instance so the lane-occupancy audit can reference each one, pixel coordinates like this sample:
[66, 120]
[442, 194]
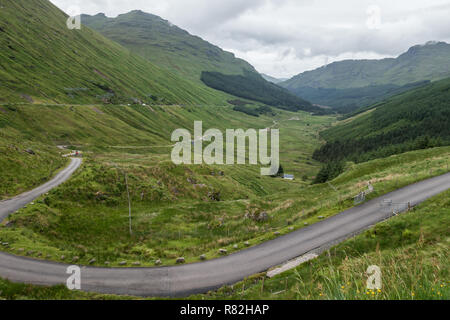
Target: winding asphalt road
[176, 281]
[12, 205]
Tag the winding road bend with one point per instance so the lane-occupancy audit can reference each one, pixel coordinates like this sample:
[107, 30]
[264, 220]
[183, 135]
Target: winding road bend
[12, 205]
[183, 280]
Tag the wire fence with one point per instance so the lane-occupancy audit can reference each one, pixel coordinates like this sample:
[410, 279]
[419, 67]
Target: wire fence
[388, 206]
[360, 198]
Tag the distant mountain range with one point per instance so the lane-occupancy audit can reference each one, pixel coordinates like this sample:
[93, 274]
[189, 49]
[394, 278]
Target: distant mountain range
[350, 84]
[141, 58]
[272, 79]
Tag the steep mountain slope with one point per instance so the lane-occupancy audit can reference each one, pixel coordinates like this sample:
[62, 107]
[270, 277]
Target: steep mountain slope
[41, 60]
[166, 44]
[354, 83]
[191, 57]
[417, 119]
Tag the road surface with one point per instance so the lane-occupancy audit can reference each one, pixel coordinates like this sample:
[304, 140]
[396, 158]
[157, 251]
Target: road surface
[12, 205]
[183, 280]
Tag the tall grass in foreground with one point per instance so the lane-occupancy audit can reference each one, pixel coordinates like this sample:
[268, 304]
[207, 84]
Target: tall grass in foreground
[407, 273]
[411, 250]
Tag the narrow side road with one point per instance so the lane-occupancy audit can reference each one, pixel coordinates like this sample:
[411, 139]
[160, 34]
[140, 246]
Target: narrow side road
[12, 205]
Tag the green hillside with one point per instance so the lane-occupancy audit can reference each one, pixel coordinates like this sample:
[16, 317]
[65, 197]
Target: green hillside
[166, 45]
[417, 119]
[191, 57]
[354, 83]
[41, 60]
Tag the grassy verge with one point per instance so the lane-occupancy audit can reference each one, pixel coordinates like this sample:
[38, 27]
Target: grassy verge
[19, 291]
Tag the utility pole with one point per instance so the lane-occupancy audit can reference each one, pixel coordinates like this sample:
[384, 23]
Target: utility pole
[129, 204]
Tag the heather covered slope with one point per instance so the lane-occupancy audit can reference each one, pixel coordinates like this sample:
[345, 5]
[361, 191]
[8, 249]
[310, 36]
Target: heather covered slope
[41, 60]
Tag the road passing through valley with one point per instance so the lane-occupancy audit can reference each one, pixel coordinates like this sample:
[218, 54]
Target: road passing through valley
[183, 280]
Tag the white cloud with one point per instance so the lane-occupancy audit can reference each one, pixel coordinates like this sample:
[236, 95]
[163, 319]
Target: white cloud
[285, 37]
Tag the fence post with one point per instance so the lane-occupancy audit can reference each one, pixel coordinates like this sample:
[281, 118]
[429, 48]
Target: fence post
[129, 204]
[262, 287]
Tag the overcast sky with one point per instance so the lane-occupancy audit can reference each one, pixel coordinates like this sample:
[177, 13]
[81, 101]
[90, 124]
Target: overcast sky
[285, 37]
